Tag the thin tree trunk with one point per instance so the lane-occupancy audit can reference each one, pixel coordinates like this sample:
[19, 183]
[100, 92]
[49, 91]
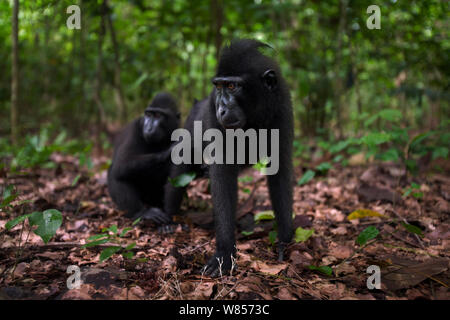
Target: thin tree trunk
[434, 115]
[15, 74]
[101, 117]
[46, 66]
[81, 106]
[205, 80]
[217, 8]
[118, 92]
[338, 83]
[355, 72]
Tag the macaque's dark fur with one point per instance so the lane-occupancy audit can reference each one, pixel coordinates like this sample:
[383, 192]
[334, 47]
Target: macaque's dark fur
[140, 165]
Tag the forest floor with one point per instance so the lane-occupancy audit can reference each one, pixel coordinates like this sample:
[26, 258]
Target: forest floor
[169, 266]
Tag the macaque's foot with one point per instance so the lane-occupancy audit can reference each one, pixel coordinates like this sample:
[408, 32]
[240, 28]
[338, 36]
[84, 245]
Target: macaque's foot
[220, 264]
[167, 228]
[171, 228]
[281, 247]
[154, 214]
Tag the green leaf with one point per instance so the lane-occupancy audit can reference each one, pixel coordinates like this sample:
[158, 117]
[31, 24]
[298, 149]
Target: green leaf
[24, 201]
[108, 252]
[418, 139]
[261, 165]
[97, 236]
[338, 158]
[415, 185]
[418, 195]
[411, 166]
[95, 243]
[341, 145]
[324, 167]
[89, 163]
[124, 231]
[60, 138]
[440, 152]
[375, 138]
[113, 229]
[246, 233]
[367, 234]
[391, 114]
[407, 192]
[48, 222]
[411, 190]
[135, 222]
[8, 196]
[130, 246]
[75, 181]
[301, 235]
[370, 120]
[325, 145]
[323, 269]
[245, 179]
[8, 191]
[182, 180]
[128, 254]
[11, 224]
[413, 229]
[272, 237]
[390, 155]
[264, 215]
[306, 177]
[246, 190]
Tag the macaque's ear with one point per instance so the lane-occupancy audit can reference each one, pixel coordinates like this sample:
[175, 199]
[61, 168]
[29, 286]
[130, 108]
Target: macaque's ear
[270, 79]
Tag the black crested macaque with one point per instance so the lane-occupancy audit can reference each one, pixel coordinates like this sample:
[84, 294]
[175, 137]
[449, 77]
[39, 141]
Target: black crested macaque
[141, 161]
[249, 93]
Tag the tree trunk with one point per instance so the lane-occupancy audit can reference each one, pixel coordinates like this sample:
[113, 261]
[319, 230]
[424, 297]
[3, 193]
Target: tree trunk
[81, 105]
[338, 82]
[355, 71]
[118, 92]
[100, 119]
[15, 74]
[205, 80]
[217, 12]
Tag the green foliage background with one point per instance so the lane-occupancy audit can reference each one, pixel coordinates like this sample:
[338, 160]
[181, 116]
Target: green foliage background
[341, 74]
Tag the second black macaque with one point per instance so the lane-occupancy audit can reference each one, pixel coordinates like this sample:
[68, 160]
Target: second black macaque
[141, 161]
[249, 93]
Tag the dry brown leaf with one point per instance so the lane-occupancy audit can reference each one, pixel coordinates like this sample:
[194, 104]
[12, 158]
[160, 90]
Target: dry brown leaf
[399, 277]
[339, 230]
[340, 251]
[265, 268]
[285, 294]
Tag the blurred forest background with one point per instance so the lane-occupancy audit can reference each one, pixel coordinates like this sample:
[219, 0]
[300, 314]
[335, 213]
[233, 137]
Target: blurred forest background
[379, 90]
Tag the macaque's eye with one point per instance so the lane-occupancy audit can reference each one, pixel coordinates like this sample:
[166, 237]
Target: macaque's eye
[231, 86]
[218, 85]
[153, 114]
